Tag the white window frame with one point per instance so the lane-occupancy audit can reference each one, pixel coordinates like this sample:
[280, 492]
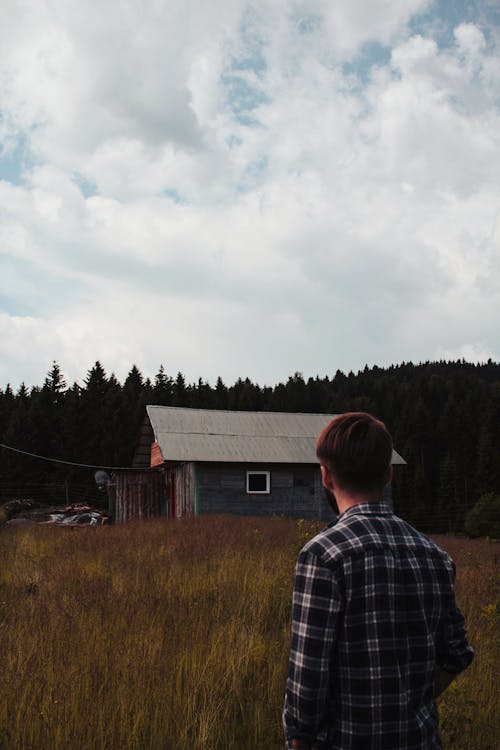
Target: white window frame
[267, 491]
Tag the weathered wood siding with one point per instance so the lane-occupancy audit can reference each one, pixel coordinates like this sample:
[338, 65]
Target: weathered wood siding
[181, 488]
[156, 457]
[185, 489]
[139, 495]
[142, 455]
[296, 491]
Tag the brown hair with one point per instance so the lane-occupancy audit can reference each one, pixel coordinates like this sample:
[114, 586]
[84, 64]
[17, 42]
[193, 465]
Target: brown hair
[357, 448]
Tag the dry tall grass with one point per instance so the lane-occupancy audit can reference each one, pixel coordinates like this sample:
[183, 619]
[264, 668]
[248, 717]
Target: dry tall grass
[175, 636]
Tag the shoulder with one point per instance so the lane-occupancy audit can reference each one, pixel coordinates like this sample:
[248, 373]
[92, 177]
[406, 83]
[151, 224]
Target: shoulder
[335, 543]
[419, 542]
[359, 535]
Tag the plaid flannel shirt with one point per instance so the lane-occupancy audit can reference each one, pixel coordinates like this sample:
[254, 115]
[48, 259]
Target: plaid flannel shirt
[374, 613]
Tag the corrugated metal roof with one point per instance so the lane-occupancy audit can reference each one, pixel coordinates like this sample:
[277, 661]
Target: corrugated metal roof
[238, 436]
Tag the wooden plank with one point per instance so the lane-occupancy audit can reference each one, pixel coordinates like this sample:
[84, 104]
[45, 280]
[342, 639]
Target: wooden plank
[156, 456]
[139, 495]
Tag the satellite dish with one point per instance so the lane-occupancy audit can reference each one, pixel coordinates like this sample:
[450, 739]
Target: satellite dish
[102, 478]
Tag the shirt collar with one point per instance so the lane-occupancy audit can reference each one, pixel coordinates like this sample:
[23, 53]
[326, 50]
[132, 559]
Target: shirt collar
[367, 509]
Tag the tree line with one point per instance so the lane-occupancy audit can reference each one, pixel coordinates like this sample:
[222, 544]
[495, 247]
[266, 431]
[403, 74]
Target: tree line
[444, 417]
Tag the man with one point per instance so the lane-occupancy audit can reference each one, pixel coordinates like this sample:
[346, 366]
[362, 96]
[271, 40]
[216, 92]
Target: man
[376, 633]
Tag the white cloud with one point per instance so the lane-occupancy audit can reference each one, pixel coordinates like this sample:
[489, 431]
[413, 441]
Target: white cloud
[470, 40]
[250, 206]
[352, 23]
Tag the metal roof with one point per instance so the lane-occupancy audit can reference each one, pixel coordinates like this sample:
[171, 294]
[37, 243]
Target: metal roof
[238, 436]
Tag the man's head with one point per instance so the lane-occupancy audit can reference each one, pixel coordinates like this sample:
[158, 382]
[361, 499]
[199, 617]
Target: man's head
[355, 450]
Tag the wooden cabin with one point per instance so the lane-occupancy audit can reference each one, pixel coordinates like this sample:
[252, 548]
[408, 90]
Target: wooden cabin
[198, 461]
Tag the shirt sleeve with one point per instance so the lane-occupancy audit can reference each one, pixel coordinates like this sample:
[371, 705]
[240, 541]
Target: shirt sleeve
[315, 616]
[453, 652]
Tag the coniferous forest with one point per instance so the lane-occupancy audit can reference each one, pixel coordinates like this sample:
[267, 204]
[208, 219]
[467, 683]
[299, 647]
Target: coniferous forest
[444, 417]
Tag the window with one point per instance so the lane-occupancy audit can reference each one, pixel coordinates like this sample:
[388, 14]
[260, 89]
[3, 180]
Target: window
[258, 482]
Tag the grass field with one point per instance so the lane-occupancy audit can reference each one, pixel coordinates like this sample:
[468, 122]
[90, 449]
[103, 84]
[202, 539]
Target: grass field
[175, 636]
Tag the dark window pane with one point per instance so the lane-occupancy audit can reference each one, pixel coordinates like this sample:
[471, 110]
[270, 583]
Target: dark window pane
[257, 482]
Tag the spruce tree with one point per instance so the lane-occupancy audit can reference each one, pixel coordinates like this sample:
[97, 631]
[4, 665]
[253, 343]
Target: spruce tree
[220, 394]
[162, 393]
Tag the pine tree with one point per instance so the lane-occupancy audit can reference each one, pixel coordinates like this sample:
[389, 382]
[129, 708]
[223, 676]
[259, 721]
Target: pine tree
[92, 424]
[220, 394]
[296, 394]
[54, 382]
[46, 418]
[179, 395]
[202, 396]
[132, 411]
[448, 506]
[7, 406]
[488, 465]
[163, 388]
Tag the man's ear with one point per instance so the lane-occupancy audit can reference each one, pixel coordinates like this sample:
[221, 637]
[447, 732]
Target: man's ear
[326, 476]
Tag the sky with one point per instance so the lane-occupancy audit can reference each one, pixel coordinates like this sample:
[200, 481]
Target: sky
[247, 189]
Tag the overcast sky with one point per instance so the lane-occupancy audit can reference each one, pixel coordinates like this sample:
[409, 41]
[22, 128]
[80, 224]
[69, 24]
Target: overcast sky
[247, 188]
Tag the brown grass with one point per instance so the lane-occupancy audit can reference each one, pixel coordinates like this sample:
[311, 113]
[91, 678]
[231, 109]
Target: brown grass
[175, 636]
[469, 714]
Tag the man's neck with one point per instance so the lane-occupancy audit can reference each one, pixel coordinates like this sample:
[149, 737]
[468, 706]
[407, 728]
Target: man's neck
[346, 500]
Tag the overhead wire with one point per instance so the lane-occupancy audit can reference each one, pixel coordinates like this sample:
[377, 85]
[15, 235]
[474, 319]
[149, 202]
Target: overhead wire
[73, 463]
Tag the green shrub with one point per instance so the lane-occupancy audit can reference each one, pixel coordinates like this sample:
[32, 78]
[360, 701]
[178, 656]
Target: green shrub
[484, 518]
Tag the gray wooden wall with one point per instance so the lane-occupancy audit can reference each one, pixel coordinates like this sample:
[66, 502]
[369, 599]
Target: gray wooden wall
[296, 491]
